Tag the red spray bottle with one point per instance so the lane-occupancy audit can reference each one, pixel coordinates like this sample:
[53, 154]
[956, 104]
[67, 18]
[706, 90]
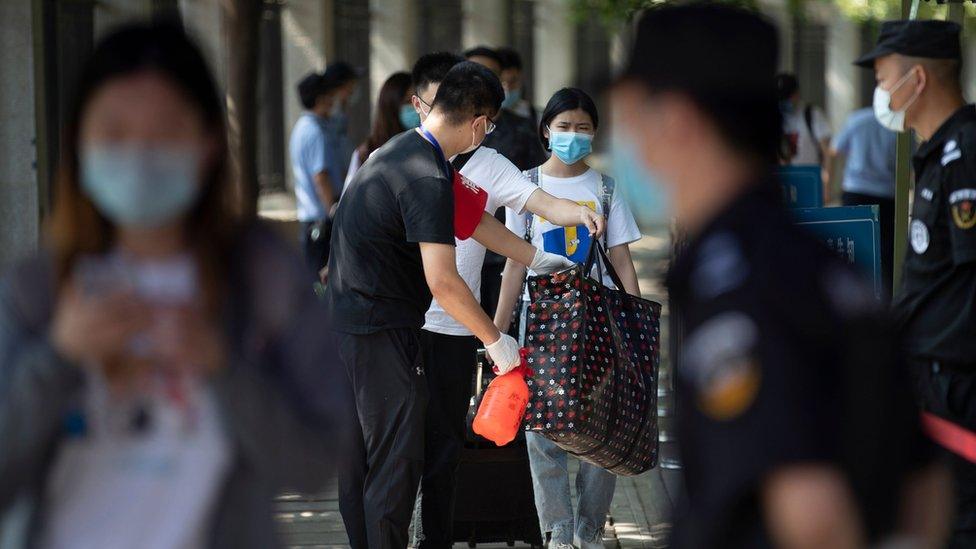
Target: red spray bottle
[503, 405]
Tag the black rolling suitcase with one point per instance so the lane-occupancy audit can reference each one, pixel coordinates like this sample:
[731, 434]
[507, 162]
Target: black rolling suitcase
[495, 502]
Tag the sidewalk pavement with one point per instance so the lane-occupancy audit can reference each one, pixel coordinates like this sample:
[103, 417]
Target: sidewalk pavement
[641, 508]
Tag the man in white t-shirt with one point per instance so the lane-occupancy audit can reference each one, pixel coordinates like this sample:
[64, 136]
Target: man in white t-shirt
[805, 128]
[449, 349]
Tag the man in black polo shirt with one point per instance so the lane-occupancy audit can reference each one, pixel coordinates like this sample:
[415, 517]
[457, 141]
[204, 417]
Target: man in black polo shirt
[917, 65]
[795, 419]
[392, 249]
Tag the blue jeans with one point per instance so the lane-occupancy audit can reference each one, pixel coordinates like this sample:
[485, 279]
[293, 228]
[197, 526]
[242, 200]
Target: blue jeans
[550, 480]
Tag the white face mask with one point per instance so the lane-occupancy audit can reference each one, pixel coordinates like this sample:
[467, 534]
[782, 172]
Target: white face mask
[474, 137]
[893, 120]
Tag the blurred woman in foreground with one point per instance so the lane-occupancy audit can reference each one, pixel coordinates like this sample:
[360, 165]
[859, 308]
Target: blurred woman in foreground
[162, 366]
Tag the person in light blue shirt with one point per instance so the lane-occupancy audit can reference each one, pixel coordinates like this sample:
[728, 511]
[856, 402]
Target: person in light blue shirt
[315, 167]
[869, 175]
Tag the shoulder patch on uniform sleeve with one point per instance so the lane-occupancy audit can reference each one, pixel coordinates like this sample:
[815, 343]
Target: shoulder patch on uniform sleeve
[720, 266]
[951, 151]
[719, 360]
[962, 202]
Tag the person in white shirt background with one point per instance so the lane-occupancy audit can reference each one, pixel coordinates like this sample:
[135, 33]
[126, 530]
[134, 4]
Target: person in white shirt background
[450, 349]
[806, 131]
[567, 128]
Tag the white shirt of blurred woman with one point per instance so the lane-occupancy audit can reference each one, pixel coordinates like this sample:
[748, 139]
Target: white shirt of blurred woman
[142, 467]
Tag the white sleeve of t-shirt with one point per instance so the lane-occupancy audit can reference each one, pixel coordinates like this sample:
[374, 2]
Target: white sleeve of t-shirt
[515, 221]
[821, 128]
[509, 187]
[621, 225]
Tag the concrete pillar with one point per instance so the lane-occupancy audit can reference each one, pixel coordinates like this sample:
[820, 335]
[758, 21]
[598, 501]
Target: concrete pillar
[968, 67]
[392, 42]
[555, 49]
[112, 13]
[843, 77]
[304, 41]
[485, 23]
[203, 21]
[781, 15]
[19, 204]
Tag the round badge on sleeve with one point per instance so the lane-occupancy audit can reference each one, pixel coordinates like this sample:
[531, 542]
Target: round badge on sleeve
[919, 237]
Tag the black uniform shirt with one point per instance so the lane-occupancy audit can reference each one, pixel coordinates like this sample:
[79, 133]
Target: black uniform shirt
[936, 307]
[399, 197]
[784, 361]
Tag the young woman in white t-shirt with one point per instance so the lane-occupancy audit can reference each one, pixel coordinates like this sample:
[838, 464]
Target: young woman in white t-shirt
[567, 128]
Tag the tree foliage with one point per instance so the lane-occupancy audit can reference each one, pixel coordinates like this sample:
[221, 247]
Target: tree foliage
[614, 13]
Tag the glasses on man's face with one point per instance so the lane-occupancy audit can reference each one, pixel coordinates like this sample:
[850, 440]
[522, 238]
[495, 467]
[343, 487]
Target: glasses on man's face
[422, 102]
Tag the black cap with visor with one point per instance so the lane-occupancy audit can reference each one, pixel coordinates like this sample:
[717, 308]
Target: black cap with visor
[928, 39]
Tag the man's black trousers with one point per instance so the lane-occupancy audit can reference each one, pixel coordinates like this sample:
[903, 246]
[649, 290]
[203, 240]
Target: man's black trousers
[382, 461]
[450, 363]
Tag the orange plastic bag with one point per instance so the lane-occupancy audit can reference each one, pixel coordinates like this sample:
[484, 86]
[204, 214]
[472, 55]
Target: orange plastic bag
[503, 405]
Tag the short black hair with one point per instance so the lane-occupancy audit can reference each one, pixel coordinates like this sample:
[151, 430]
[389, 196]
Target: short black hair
[510, 59]
[469, 89]
[311, 88]
[340, 72]
[483, 51]
[724, 60]
[432, 68]
[566, 99]
[786, 85]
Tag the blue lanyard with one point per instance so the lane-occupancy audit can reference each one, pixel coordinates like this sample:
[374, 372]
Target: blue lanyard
[437, 146]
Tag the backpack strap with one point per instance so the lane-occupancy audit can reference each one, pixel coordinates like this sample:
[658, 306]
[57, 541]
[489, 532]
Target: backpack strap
[533, 176]
[607, 186]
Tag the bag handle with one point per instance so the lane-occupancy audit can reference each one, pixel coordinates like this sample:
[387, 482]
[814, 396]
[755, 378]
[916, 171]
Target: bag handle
[595, 247]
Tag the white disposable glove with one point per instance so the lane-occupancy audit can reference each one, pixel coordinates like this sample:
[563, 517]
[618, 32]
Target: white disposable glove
[504, 353]
[545, 262]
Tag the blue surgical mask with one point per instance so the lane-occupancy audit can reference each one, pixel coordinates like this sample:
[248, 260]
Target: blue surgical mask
[570, 147]
[511, 98]
[409, 117]
[786, 106]
[646, 195]
[140, 186]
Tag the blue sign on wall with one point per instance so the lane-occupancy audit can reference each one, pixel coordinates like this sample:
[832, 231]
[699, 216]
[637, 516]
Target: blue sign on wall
[853, 232]
[802, 186]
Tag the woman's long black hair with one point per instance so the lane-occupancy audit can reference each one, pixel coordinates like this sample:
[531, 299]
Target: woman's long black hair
[386, 118]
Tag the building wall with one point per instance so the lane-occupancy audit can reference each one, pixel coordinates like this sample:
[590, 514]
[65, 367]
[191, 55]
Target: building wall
[555, 50]
[19, 205]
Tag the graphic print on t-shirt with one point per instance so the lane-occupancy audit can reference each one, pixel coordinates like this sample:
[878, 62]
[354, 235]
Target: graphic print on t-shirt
[571, 242]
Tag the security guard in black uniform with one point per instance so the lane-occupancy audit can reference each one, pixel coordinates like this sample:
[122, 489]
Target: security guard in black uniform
[796, 422]
[917, 64]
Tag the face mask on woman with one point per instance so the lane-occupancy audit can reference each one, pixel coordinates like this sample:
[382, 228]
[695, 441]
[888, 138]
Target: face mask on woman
[409, 116]
[140, 186]
[570, 147]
